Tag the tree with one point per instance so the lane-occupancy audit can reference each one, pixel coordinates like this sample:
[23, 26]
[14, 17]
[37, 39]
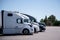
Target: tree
[52, 18]
[42, 20]
[45, 20]
[56, 23]
[51, 21]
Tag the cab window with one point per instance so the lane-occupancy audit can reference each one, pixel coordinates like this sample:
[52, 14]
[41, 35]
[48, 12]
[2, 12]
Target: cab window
[26, 20]
[19, 20]
[10, 14]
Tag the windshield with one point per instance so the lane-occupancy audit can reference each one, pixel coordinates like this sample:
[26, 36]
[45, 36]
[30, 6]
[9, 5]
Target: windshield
[42, 24]
[26, 20]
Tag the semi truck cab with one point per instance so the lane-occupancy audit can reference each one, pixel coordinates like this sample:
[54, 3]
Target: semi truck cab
[13, 23]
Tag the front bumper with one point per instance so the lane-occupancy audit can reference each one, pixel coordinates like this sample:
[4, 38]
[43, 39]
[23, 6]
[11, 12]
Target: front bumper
[31, 30]
[43, 28]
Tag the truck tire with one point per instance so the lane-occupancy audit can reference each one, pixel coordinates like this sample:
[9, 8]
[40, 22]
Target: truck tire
[40, 30]
[25, 31]
[34, 30]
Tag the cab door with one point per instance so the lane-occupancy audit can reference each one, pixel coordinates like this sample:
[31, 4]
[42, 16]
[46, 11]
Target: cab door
[19, 25]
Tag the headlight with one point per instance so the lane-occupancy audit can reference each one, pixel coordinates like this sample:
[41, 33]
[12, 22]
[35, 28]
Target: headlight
[41, 25]
[30, 25]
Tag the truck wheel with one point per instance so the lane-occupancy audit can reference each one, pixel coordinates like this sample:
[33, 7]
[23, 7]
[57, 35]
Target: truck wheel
[34, 30]
[25, 31]
[40, 30]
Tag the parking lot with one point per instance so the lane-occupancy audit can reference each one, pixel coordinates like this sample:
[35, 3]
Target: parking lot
[51, 33]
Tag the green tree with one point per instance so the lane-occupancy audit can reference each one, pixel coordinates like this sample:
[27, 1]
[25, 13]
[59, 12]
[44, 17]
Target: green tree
[42, 20]
[52, 18]
[50, 21]
[45, 20]
[56, 23]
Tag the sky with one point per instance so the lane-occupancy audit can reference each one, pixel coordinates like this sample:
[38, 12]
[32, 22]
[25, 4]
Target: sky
[36, 8]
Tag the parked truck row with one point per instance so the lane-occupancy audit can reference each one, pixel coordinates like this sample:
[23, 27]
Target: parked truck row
[12, 22]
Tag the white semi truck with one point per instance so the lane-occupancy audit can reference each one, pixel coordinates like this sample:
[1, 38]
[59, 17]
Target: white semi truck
[15, 23]
[34, 24]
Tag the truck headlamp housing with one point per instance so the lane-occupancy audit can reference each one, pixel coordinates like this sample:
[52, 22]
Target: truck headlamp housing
[30, 25]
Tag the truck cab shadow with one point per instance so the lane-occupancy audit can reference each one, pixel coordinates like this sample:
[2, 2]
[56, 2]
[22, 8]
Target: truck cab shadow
[15, 34]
